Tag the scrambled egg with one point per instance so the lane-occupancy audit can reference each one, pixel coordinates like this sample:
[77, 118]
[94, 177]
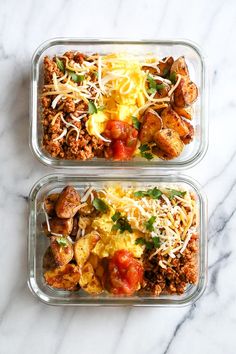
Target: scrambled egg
[96, 123]
[112, 241]
[124, 82]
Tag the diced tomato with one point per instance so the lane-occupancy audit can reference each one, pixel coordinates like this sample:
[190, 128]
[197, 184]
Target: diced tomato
[125, 273]
[124, 140]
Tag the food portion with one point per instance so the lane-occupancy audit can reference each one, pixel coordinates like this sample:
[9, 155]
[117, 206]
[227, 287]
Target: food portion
[116, 106]
[122, 240]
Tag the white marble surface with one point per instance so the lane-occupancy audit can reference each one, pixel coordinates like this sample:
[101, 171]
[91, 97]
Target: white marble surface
[28, 326]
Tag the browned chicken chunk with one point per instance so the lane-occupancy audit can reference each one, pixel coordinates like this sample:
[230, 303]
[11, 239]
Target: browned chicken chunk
[49, 203]
[189, 137]
[165, 66]
[62, 250]
[151, 124]
[185, 112]
[59, 226]
[67, 203]
[88, 209]
[173, 121]
[169, 142]
[186, 93]
[180, 67]
[66, 277]
[48, 260]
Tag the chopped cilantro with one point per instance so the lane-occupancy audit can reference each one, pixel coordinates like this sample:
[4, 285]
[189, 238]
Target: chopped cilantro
[75, 77]
[149, 224]
[154, 242]
[136, 122]
[173, 77]
[60, 64]
[144, 148]
[153, 193]
[145, 151]
[116, 216]
[121, 223]
[92, 108]
[152, 82]
[147, 155]
[153, 86]
[100, 205]
[61, 241]
[173, 193]
[140, 241]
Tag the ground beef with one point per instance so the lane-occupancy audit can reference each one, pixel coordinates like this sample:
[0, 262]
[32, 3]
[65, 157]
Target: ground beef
[69, 105]
[68, 147]
[50, 67]
[174, 279]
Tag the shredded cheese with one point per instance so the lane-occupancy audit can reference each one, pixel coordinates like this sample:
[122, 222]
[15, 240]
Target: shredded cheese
[172, 232]
[87, 194]
[61, 135]
[175, 86]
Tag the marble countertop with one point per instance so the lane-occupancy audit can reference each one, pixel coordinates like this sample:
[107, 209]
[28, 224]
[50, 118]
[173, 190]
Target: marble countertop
[28, 326]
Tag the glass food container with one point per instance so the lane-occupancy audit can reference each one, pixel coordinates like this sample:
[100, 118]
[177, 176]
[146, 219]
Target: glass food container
[37, 242]
[192, 153]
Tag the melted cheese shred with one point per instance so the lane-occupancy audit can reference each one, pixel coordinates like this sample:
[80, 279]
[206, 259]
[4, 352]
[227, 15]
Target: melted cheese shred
[176, 218]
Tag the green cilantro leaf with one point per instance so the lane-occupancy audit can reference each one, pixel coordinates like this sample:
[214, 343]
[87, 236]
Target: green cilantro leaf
[140, 241]
[144, 148]
[92, 108]
[100, 205]
[116, 216]
[61, 241]
[60, 64]
[149, 224]
[173, 77]
[75, 77]
[173, 193]
[156, 241]
[160, 86]
[149, 245]
[153, 86]
[147, 155]
[121, 224]
[136, 122]
[151, 91]
[153, 193]
[145, 152]
[152, 82]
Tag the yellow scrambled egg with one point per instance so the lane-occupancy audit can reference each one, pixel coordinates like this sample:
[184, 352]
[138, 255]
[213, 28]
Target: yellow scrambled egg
[123, 94]
[111, 241]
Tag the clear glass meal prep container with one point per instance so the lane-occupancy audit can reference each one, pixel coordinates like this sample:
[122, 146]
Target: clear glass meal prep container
[192, 153]
[38, 242]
